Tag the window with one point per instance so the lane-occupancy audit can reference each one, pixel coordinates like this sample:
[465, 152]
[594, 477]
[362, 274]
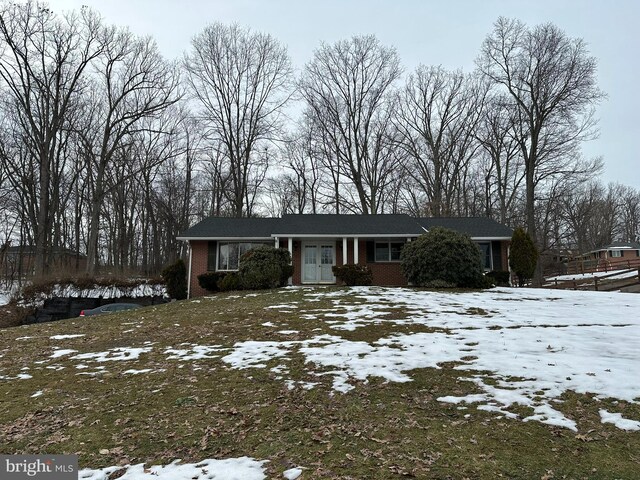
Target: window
[388, 251]
[229, 253]
[485, 252]
[616, 253]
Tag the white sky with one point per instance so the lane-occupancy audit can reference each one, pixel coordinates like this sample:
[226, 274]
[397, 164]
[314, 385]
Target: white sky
[432, 32]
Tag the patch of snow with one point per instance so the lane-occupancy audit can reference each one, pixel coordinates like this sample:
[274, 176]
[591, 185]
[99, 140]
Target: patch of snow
[63, 337]
[288, 332]
[474, 398]
[62, 352]
[243, 468]
[37, 394]
[114, 354]
[195, 352]
[138, 372]
[292, 473]
[268, 324]
[618, 421]
[253, 354]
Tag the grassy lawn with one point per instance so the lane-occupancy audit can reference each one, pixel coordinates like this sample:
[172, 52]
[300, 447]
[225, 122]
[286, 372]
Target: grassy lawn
[156, 409]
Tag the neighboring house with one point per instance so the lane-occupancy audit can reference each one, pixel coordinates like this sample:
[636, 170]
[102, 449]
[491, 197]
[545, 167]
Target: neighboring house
[22, 259]
[618, 254]
[318, 242]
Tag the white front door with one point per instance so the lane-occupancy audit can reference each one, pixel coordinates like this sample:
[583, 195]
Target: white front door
[317, 262]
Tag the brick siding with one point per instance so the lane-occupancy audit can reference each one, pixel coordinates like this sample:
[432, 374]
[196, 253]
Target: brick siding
[199, 259]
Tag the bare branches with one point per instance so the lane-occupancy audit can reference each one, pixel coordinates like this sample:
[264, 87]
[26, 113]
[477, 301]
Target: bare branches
[551, 79]
[241, 80]
[347, 88]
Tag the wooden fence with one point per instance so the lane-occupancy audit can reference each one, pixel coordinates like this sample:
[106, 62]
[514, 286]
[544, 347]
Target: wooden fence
[603, 283]
[576, 267]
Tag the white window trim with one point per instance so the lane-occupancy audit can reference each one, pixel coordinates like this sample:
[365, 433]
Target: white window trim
[388, 243]
[490, 243]
[219, 242]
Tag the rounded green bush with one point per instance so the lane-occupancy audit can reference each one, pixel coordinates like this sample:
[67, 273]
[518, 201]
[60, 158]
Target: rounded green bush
[352, 274]
[265, 267]
[209, 280]
[443, 257]
[230, 281]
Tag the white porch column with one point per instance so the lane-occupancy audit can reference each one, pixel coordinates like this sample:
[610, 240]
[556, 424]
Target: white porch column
[509, 264]
[344, 250]
[277, 242]
[189, 274]
[290, 248]
[355, 250]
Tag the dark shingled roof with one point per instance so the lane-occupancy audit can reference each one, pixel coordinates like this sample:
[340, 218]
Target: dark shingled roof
[621, 245]
[357, 225]
[225, 227]
[475, 227]
[341, 225]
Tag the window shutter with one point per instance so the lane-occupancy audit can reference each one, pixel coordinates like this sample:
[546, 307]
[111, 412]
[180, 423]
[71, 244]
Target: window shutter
[371, 252]
[211, 256]
[496, 250]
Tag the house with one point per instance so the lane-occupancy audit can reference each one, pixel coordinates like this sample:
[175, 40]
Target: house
[318, 242]
[21, 259]
[615, 255]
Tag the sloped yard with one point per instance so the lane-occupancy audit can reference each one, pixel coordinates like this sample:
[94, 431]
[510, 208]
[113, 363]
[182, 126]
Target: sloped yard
[335, 383]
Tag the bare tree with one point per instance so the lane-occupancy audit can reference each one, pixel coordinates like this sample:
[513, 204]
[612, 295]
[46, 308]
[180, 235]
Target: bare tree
[552, 81]
[347, 89]
[241, 80]
[133, 83]
[629, 214]
[591, 214]
[502, 165]
[437, 119]
[43, 60]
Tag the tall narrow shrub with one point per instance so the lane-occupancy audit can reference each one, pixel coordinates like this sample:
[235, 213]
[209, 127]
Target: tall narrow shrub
[175, 277]
[524, 256]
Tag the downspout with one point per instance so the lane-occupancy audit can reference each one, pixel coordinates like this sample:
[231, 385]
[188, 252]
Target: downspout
[189, 274]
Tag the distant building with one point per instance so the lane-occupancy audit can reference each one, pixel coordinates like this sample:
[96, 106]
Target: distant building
[21, 260]
[615, 255]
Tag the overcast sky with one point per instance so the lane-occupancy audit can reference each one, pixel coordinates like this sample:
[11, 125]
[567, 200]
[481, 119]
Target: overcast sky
[447, 33]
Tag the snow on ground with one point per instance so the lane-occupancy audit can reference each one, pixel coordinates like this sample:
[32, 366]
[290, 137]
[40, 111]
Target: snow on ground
[4, 298]
[143, 290]
[525, 346]
[243, 468]
[518, 346]
[618, 421]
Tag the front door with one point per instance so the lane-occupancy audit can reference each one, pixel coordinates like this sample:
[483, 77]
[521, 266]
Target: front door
[317, 262]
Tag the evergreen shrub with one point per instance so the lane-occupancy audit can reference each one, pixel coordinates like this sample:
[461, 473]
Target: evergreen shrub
[352, 274]
[265, 267]
[175, 277]
[523, 256]
[445, 257]
[209, 280]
